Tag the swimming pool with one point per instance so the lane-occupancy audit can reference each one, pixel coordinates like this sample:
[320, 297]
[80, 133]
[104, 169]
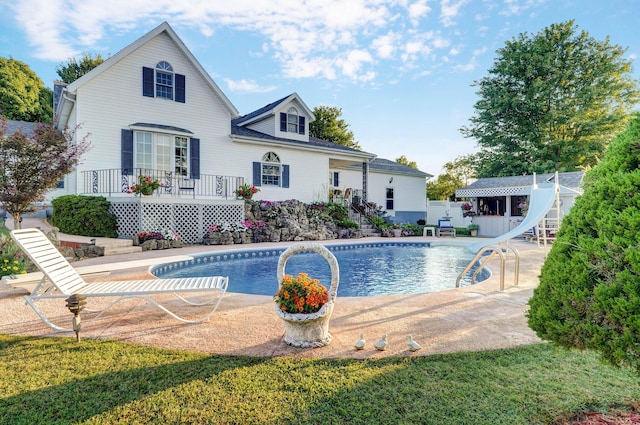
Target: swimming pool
[366, 269]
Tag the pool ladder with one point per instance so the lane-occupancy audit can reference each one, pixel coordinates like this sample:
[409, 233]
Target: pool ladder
[493, 251]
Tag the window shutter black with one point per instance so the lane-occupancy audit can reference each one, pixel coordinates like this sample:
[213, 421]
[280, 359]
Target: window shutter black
[126, 151]
[257, 168]
[300, 125]
[147, 82]
[285, 176]
[180, 88]
[283, 121]
[194, 152]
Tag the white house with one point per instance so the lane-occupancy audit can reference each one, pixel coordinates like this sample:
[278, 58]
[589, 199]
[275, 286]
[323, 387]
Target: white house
[151, 109]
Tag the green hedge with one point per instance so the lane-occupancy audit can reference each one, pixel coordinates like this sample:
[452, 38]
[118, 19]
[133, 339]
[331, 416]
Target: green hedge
[84, 215]
[589, 292]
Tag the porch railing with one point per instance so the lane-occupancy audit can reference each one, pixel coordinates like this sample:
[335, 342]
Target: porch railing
[114, 182]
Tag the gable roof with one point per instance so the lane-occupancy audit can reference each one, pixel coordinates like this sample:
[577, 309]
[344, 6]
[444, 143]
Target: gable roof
[387, 166]
[28, 128]
[240, 133]
[65, 100]
[519, 185]
[269, 110]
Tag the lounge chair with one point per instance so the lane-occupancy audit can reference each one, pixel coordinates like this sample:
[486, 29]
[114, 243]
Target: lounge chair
[446, 228]
[61, 280]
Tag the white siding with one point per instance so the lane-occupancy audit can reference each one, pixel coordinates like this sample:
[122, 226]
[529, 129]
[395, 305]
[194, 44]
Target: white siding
[113, 100]
[283, 108]
[266, 126]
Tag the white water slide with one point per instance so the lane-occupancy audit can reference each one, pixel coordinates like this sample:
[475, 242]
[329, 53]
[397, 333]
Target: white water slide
[541, 201]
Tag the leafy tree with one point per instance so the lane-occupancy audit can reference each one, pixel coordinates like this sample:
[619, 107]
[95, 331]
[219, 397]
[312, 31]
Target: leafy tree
[404, 161]
[32, 164]
[457, 175]
[73, 69]
[589, 292]
[23, 96]
[552, 102]
[443, 188]
[329, 126]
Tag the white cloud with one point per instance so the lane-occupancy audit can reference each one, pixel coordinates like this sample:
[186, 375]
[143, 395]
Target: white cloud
[386, 45]
[248, 86]
[309, 39]
[449, 10]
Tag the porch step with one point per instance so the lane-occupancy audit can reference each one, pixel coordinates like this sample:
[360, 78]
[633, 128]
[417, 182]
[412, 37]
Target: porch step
[118, 246]
[368, 231]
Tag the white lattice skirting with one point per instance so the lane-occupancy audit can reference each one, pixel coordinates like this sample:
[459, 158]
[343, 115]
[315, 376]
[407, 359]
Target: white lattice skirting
[190, 219]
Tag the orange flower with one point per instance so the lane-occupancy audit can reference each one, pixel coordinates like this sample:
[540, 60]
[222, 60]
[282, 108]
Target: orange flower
[301, 294]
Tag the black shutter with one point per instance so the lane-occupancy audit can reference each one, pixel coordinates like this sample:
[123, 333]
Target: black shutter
[195, 158]
[285, 176]
[126, 151]
[147, 82]
[257, 168]
[300, 125]
[283, 121]
[180, 88]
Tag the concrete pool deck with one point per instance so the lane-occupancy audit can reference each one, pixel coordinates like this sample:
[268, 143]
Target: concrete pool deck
[478, 317]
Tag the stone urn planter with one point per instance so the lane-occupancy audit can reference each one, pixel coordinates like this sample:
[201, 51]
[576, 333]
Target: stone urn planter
[309, 330]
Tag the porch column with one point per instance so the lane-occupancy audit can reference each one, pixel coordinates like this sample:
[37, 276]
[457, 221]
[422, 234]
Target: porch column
[365, 180]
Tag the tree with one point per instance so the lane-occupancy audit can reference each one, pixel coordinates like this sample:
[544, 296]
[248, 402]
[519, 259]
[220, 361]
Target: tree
[329, 126]
[404, 161]
[73, 69]
[589, 292]
[32, 164]
[23, 96]
[552, 102]
[458, 173]
[443, 188]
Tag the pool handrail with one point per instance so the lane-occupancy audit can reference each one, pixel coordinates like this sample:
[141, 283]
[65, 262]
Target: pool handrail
[493, 249]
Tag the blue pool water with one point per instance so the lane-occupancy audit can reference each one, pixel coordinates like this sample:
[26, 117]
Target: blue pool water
[366, 269]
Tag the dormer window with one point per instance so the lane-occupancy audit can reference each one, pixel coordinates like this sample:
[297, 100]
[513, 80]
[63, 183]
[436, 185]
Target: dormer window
[291, 122]
[163, 82]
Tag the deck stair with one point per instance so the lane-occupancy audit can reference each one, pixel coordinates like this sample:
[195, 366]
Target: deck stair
[118, 246]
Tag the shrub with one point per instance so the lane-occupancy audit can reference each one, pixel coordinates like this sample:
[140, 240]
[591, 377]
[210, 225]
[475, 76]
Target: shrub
[336, 211]
[589, 292]
[12, 259]
[348, 224]
[84, 215]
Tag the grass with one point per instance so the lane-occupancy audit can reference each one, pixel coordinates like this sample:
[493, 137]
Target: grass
[58, 381]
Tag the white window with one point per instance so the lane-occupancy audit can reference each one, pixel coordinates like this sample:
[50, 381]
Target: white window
[161, 152]
[164, 80]
[271, 169]
[292, 122]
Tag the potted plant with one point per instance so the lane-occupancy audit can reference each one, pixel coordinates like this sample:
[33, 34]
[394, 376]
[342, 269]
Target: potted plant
[246, 191]
[473, 229]
[305, 305]
[145, 186]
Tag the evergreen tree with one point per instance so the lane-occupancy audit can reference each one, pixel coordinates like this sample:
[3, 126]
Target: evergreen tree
[589, 292]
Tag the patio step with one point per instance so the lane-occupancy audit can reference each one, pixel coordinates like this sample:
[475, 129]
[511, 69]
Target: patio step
[118, 246]
[368, 231]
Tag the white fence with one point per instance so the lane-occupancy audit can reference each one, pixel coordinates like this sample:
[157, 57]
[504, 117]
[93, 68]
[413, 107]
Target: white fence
[440, 209]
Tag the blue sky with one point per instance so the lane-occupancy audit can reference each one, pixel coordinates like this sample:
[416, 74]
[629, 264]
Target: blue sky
[401, 70]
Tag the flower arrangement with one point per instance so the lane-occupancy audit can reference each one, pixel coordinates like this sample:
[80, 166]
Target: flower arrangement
[166, 235]
[467, 210]
[524, 207]
[301, 294]
[245, 191]
[227, 227]
[145, 186]
[12, 261]
[254, 224]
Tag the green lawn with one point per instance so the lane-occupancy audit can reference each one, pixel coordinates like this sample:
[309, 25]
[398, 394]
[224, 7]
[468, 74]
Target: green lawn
[59, 381]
